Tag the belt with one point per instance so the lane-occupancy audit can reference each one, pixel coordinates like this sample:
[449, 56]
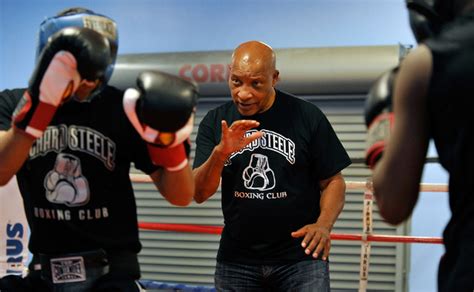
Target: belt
[82, 266]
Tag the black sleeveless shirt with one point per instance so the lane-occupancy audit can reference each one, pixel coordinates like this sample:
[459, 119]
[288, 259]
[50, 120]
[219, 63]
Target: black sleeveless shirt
[451, 117]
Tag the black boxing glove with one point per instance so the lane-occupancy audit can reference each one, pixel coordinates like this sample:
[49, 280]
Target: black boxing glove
[72, 55]
[379, 116]
[161, 109]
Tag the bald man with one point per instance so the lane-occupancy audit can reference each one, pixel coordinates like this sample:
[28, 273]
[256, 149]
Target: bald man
[282, 190]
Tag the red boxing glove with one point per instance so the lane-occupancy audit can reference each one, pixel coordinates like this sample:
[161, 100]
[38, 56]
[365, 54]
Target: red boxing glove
[172, 158]
[34, 112]
[162, 112]
[379, 117]
[377, 136]
[71, 55]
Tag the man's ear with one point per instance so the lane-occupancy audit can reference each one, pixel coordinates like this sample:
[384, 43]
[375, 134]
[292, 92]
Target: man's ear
[276, 77]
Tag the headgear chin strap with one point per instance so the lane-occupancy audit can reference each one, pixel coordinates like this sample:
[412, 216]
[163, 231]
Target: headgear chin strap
[88, 19]
[427, 16]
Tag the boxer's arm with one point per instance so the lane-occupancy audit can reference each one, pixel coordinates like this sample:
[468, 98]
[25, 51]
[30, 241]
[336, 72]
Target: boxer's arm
[397, 177]
[176, 187]
[332, 200]
[70, 55]
[207, 177]
[161, 109]
[14, 148]
[317, 235]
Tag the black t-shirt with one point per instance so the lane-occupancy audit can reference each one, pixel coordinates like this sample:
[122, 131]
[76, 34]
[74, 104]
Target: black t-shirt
[451, 104]
[75, 183]
[271, 187]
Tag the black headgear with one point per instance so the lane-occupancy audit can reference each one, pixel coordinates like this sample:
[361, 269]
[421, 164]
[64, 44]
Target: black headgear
[81, 17]
[427, 16]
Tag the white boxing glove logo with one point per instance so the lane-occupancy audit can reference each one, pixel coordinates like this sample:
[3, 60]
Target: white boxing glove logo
[65, 184]
[258, 175]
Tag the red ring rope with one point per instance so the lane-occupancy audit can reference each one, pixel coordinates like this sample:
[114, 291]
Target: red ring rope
[334, 236]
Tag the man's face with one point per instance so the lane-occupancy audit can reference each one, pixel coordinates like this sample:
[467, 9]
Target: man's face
[252, 87]
[85, 89]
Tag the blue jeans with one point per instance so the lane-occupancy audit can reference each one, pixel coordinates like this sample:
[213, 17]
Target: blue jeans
[310, 276]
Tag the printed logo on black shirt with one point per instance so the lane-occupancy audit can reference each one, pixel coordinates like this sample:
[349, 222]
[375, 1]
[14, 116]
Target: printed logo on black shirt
[258, 176]
[271, 141]
[83, 139]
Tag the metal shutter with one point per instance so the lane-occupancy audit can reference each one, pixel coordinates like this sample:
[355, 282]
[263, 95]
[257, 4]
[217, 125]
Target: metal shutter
[189, 258]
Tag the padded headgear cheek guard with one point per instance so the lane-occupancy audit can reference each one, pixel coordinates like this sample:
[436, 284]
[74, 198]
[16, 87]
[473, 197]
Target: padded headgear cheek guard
[100, 23]
[428, 16]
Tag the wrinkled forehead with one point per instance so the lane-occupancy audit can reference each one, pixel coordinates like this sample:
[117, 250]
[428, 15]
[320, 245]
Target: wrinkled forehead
[249, 73]
[252, 66]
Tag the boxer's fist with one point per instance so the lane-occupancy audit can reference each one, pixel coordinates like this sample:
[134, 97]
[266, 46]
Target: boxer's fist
[161, 109]
[70, 56]
[379, 116]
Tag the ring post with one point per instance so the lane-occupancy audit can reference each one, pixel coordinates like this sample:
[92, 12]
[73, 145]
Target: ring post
[366, 231]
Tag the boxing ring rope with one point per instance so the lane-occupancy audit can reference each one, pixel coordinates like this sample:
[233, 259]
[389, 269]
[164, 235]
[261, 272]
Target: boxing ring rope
[193, 228]
[366, 237]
